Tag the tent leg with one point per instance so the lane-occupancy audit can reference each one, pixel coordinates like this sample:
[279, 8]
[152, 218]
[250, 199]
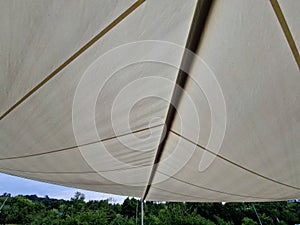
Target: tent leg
[142, 211]
[136, 212]
[256, 214]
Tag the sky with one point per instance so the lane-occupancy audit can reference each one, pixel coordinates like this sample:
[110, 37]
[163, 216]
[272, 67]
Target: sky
[21, 186]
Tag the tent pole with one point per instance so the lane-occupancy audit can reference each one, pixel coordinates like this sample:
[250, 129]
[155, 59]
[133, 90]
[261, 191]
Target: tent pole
[256, 214]
[136, 212]
[142, 211]
[4, 202]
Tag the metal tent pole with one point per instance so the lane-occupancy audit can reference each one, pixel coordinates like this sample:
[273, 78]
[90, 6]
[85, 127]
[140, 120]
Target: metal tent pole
[142, 211]
[256, 214]
[136, 212]
[3, 203]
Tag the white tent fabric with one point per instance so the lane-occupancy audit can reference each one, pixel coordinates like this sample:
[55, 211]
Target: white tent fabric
[36, 37]
[260, 82]
[98, 121]
[37, 137]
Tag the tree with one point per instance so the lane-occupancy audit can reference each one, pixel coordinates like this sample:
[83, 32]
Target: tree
[44, 210]
[78, 196]
[248, 221]
[129, 207]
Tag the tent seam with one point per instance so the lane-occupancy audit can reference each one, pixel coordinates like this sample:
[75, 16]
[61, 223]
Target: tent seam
[286, 30]
[78, 146]
[75, 56]
[195, 32]
[236, 164]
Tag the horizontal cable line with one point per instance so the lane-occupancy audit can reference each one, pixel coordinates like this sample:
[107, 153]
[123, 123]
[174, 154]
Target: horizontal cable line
[212, 190]
[72, 184]
[175, 193]
[82, 145]
[69, 184]
[75, 55]
[209, 199]
[77, 172]
[236, 164]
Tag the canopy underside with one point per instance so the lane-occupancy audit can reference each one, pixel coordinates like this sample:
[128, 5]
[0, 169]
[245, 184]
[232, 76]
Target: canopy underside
[61, 60]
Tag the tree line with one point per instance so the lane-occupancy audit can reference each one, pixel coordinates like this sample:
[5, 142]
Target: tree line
[31, 209]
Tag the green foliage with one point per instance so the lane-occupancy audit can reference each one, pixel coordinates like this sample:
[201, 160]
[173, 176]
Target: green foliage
[221, 221]
[248, 221]
[36, 211]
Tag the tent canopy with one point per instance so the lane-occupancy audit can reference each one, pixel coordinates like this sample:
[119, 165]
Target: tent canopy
[163, 100]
